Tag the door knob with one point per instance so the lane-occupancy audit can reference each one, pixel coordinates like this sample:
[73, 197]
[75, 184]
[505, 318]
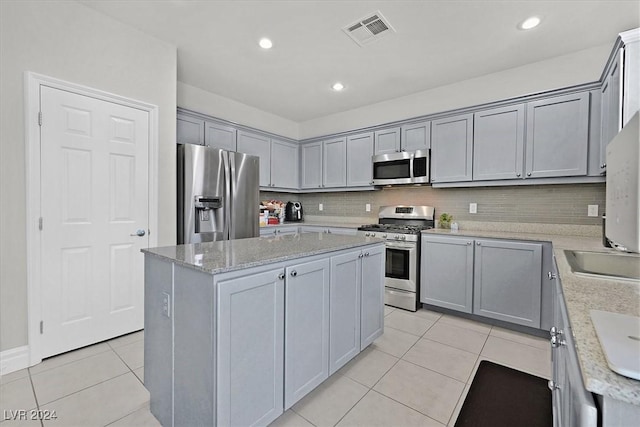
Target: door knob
[139, 232]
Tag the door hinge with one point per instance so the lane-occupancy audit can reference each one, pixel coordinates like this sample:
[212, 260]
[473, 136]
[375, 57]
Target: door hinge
[39, 118]
[40, 223]
[41, 327]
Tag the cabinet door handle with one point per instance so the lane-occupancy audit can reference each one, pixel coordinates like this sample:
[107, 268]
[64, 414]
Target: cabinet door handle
[360, 255]
[294, 273]
[528, 173]
[366, 254]
[518, 175]
[469, 243]
[602, 166]
[552, 385]
[281, 276]
[551, 276]
[478, 243]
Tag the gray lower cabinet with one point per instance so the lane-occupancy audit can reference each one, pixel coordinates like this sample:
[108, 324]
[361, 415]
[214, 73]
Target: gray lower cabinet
[278, 230]
[219, 136]
[251, 332]
[452, 149]
[189, 130]
[344, 324]
[500, 279]
[572, 404]
[372, 295]
[557, 136]
[446, 271]
[498, 143]
[334, 162]
[359, 167]
[328, 230]
[508, 281]
[306, 321]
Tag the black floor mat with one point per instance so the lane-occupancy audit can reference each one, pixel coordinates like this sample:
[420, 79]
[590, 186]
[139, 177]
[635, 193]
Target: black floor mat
[503, 397]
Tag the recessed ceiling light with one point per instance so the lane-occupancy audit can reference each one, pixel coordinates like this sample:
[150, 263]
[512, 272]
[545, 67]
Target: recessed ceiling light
[529, 23]
[337, 86]
[265, 43]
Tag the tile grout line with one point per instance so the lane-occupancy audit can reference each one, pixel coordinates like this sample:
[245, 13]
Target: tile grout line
[35, 396]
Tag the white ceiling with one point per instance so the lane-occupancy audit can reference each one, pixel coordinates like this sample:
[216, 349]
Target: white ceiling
[436, 43]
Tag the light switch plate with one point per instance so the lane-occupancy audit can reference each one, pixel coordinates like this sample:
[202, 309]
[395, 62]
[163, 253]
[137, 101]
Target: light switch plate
[367, 207]
[320, 207]
[166, 304]
[473, 208]
[592, 210]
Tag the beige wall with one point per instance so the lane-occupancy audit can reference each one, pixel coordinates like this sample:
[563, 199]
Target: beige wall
[68, 41]
[546, 204]
[577, 68]
[201, 101]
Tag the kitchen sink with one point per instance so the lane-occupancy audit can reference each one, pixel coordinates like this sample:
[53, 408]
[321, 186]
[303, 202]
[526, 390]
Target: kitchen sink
[605, 265]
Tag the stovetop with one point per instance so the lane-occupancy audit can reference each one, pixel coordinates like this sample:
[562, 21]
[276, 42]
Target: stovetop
[395, 228]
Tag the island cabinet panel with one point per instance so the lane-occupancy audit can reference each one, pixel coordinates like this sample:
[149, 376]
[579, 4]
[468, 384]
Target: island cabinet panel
[452, 149]
[557, 136]
[359, 152]
[250, 343]
[220, 136]
[447, 272]
[158, 363]
[498, 143]
[306, 347]
[372, 293]
[344, 323]
[508, 281]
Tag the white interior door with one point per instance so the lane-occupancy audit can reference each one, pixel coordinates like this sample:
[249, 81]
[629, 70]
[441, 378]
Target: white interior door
[94, 199]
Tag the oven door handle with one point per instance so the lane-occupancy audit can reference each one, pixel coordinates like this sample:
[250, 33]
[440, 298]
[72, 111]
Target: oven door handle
[401, 245]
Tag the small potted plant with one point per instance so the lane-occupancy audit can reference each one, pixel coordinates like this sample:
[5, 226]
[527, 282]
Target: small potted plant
[445, 220]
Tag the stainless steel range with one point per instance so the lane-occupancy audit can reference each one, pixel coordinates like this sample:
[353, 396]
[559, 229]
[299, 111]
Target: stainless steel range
[400, 226]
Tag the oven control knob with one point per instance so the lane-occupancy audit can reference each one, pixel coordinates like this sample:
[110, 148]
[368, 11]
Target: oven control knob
[403, 237]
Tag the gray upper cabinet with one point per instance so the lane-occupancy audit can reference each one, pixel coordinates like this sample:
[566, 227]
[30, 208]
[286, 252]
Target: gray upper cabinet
[249, 307]
[284, 164]
[344, 306]
[387, 141]
[311, 165]
[334, 162]
[257, 145]
[611, 107]
[416, 136]
[447, 272]
[359, 152]
[508, 281]
[372, 294]
[189, 130]
[219, 136]
[557, 136]
[452, 149]
[498, 143]
[306, 345]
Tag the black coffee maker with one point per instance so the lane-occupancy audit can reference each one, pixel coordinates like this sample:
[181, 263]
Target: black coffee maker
[293, 211]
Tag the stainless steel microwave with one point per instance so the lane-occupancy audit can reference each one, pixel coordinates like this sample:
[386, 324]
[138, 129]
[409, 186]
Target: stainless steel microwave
[401, 168]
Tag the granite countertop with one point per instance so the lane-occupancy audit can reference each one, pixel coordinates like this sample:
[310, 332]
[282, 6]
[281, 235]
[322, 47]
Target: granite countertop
[583, 294]
[230, 255]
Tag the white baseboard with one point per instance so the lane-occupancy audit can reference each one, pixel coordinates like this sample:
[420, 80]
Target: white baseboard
[14, 359]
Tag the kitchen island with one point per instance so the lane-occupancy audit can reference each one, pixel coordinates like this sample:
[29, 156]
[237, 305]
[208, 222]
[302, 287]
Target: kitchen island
[238, 331]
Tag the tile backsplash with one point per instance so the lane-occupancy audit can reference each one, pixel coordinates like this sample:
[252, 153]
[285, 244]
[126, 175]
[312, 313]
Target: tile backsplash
[548, 204]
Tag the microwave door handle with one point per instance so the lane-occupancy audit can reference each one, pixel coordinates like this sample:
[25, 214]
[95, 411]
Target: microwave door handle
[411, 167]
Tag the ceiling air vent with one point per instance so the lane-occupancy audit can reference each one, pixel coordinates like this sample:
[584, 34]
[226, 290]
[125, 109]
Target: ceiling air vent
[368, 29]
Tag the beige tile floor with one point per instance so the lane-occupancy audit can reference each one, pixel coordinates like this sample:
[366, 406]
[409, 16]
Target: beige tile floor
[416, 374]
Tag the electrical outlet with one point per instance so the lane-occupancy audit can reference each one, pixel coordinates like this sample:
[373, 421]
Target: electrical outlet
[367, 207]
[592, 210]
[473, 208]
[166, 304]
[320, 207]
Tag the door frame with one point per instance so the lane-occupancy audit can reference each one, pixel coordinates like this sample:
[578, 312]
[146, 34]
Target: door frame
[32, 83]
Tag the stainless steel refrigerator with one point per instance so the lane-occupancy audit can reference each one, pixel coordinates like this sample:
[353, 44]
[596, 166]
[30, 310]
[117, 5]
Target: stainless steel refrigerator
[218, 194]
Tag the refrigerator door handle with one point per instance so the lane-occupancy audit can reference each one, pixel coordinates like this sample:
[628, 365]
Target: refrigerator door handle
[227, 160]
